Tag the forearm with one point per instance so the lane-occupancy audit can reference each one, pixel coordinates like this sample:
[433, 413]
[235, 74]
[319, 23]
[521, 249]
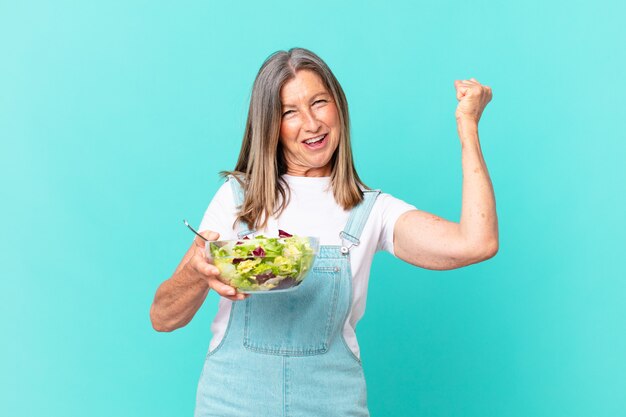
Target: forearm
[479, 222]
[178, 299]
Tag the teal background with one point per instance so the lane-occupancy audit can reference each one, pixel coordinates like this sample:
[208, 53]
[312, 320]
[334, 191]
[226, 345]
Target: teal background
[116, 116]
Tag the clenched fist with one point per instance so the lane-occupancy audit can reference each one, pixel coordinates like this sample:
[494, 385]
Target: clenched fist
[473, 97]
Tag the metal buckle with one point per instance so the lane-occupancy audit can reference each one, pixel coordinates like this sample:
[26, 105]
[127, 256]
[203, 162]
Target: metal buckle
[346, 249]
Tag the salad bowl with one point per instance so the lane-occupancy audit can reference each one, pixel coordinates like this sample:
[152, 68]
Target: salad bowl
[263, 264]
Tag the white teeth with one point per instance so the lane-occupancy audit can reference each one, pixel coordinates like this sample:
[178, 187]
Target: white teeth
[317, 139]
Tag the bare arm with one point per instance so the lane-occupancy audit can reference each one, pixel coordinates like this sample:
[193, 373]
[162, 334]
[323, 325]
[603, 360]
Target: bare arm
[429, 241]
[178, 299]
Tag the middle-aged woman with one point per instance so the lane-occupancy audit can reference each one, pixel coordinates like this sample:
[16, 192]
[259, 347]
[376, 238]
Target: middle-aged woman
[296, 353]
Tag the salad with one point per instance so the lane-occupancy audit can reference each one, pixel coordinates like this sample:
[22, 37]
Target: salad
[264, 263]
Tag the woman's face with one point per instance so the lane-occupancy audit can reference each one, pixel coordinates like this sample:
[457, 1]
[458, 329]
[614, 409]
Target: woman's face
[309, 129]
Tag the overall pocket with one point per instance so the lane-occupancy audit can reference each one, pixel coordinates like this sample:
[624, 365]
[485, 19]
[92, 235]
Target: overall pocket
[294, 323]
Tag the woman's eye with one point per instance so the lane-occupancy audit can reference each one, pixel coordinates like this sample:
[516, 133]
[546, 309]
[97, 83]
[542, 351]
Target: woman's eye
[319, 101]
[287, 113]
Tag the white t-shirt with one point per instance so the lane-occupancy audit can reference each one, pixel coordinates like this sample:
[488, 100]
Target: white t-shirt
[312, 211]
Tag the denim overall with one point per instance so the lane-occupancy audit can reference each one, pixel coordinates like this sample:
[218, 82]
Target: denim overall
[284, 354]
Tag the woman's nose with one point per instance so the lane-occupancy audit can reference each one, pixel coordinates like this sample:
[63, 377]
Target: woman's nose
[310, 122]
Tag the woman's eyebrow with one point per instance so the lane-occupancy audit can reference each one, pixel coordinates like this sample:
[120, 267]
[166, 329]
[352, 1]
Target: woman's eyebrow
[321, 93]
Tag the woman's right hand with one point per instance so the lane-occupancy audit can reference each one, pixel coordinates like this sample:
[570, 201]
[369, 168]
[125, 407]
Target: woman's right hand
[209, 272]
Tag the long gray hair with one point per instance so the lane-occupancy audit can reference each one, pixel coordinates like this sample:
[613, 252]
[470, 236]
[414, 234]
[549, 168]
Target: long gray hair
[261, 159]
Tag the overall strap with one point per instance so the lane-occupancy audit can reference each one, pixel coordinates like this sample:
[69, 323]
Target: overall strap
[238, 197]
[358, 218]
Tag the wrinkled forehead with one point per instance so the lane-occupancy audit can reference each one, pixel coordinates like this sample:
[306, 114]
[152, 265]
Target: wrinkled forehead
[304, 86]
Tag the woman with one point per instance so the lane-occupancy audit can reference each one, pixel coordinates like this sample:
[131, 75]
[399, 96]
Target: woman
[296, 353]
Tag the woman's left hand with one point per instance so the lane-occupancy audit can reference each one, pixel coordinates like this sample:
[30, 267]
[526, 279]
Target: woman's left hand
[473, 97]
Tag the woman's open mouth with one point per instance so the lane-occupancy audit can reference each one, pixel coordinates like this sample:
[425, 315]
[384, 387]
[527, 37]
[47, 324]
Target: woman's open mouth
[316, 142]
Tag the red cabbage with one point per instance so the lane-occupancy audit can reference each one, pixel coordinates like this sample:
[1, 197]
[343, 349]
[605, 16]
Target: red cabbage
[258, 252]
[261, 278]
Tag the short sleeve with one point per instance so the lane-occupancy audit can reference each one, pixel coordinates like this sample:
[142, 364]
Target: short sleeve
[389, 209]
[221, 213]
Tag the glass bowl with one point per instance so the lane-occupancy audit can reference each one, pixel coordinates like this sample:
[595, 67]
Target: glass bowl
[263, 264]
